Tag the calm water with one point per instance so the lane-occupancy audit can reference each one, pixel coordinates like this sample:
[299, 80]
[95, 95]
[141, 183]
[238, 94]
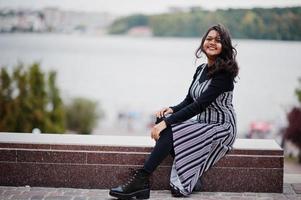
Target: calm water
[141, 75]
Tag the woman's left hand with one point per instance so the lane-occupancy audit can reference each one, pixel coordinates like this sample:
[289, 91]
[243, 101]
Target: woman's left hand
[156, 130]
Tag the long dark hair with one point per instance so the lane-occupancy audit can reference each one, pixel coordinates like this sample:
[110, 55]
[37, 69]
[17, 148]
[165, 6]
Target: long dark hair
[226, 60]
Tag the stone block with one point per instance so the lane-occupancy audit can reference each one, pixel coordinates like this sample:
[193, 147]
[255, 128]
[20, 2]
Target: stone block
[101, 162]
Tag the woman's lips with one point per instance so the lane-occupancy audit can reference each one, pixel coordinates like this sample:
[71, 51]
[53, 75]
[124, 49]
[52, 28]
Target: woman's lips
[211, 48]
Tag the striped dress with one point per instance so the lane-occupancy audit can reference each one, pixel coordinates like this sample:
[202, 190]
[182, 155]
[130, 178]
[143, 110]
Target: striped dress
[199, 143]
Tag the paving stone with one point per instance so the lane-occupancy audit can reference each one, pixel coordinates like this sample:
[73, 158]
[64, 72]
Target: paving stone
[80, 198]
[79, 191]
[100, 197]
[42, 189]
[288, 190]
[249, 194]
[96, 193]
[8, 188]
[56, 193]
[282, 197]
[292, 197]
[73, 193]
[40, 193]
[235, 198]
[37, 197]
[58, 198]
[217, 198]
[208, 194]
[235, 194]
[5, 197]
[262, 195]
[23, 189]
[21, 197]
[297, 187]
[12, 192]
[24, 193]
[62, 190]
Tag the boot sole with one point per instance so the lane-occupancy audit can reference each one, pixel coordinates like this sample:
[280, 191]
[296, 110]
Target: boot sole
[175, 193]
[140, 194]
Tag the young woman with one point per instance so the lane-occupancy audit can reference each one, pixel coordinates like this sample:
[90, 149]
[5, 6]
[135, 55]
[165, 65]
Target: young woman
[195, 144]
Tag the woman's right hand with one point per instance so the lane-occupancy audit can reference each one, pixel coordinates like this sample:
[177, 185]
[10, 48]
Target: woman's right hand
[164, 111]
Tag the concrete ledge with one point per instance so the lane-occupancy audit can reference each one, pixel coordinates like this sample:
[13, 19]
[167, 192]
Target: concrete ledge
[92, 161]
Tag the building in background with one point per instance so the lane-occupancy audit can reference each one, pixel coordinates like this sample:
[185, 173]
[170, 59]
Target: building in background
[53, 20]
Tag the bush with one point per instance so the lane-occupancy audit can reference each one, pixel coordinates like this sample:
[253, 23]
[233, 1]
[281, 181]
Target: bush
[82, 115]
[293, 131]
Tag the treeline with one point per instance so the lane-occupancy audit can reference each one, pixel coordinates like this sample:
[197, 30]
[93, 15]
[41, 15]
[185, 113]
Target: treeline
[30, 99]
[257, 23]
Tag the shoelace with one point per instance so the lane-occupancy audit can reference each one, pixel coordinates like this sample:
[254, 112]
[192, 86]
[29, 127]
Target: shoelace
[133, 173]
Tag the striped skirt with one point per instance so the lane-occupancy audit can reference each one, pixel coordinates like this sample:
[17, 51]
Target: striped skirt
[198, 146]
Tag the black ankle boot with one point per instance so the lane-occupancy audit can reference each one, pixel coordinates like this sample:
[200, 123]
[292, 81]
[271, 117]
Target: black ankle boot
[137, 186]
[175, 192]
[198, 186]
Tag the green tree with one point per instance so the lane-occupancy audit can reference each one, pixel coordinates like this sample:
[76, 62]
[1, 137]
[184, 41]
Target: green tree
[22, 106]
[6, 104]
[122, 25]
[82, 115]
[56, 111]
[28, 101]
[37, 97]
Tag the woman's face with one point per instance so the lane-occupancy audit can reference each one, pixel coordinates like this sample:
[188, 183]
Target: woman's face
[212, 46]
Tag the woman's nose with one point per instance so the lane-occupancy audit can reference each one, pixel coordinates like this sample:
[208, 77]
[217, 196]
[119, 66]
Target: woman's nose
[213, 42]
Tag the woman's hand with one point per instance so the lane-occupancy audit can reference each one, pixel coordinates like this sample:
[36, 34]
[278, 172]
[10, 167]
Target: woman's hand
[156, 130]
[163, 111]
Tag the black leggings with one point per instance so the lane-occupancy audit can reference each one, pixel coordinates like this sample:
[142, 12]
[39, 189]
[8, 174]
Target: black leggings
[163, 147]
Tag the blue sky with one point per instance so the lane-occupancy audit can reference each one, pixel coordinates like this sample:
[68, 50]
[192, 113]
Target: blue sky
[121, 7]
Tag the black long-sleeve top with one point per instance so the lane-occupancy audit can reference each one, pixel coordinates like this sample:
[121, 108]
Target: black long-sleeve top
[221, 82]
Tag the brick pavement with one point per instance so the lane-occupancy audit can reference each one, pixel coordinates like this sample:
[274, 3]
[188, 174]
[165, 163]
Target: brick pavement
[290, 192]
